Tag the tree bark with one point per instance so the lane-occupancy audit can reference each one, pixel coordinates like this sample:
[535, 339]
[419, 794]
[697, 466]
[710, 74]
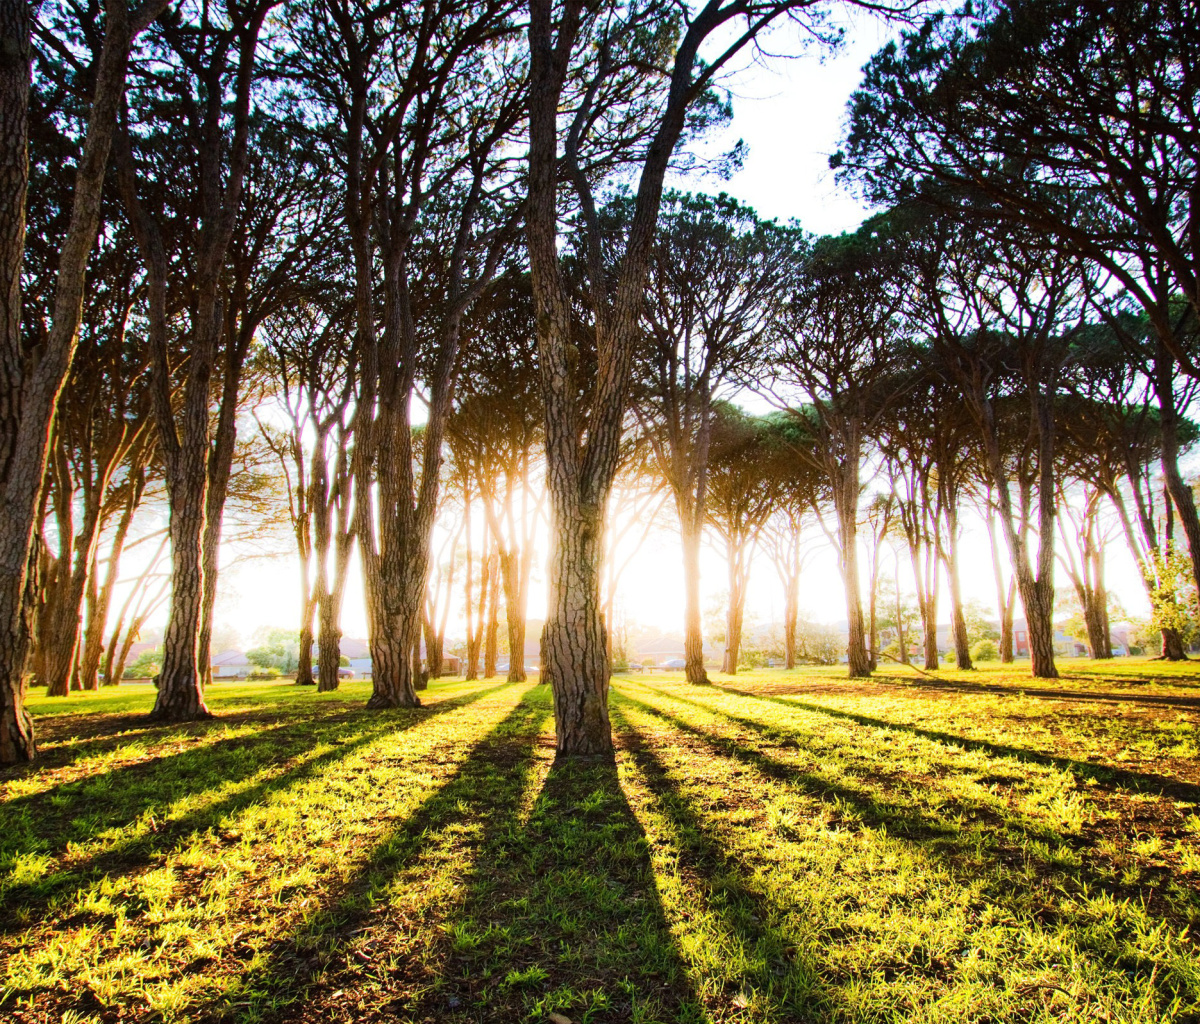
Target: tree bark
[29, 395]
[514, 608]
[573, 640]
[693, 626]
[846, 497]
[958, 622]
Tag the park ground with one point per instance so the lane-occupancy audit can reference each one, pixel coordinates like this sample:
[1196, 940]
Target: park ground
[780, 846]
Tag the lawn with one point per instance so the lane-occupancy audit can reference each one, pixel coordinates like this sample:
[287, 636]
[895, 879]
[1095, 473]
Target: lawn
[781, 846]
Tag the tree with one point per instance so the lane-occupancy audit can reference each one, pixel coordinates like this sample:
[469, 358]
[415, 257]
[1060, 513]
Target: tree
[420, 103]
[30, 387]
[308, 353]
[745, 457]
[716, 277]
[1070, 121]
[496, 432]
[1111, 440]
[1001, 312]
[839, 343]
[170, 219]
[611, 89]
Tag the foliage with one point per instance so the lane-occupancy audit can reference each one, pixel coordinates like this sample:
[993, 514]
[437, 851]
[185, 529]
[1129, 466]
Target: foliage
[279, 649]
[145, 665]
[985, 650]
[1173, 597]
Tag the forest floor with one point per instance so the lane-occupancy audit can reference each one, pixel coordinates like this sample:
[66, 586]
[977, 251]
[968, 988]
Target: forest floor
[780, 846]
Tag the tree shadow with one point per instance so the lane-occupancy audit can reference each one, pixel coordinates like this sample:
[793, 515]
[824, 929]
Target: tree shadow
[348, 942]
[988, 840]
[1103, 774]
[78, 734]
[561, 915]
[46, 823]
[997, 872]
[783, 982]
[1046, 693]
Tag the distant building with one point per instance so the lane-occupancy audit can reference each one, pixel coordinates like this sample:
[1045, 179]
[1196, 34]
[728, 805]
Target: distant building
[230, 664]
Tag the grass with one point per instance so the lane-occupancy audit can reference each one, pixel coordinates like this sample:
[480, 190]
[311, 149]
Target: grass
[781, 846]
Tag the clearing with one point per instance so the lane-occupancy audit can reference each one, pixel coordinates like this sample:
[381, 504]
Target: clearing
[781, 846]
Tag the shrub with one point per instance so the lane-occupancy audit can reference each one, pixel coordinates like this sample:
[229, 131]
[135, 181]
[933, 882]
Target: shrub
[985, 650]
[268, 672]
[145, 665]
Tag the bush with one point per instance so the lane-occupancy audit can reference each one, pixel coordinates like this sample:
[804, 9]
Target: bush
[145, 665]
[985, 650]
[269, 672]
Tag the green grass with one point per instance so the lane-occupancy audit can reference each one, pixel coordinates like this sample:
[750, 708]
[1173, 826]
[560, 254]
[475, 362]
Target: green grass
[782, 846]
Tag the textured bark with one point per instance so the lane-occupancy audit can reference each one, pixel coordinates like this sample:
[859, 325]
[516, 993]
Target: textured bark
[579, 473]
[857, 661]
[574, 647]
[738, 550]
[29, 393]
[514, 607]
[846, 491]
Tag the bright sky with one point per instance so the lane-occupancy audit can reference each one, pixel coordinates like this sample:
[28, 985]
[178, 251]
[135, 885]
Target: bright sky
[790, 115]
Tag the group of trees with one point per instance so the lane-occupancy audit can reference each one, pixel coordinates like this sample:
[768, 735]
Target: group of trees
[324, 215]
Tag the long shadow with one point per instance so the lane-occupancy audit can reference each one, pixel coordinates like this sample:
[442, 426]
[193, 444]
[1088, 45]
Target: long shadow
[86, 733]
[1042, 693]
[171, 774]
[1123, 777]
[25, 899]
[315, 958]
[562, 916]
[789, 985]
[960, 850]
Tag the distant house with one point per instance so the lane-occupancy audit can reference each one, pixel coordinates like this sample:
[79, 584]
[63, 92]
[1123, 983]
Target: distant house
[230, 664]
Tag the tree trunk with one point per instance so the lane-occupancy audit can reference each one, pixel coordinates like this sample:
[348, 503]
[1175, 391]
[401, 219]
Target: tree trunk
[491, 644]
[93, 646]
[304, 666]
[514, 608]
[857, 661]
[901, 639]
[1172, 646]
[958, 621]
[1006, 623]
[733, 630]
[693, 627]
[573, 640]
[180, 684]
[1038, 599]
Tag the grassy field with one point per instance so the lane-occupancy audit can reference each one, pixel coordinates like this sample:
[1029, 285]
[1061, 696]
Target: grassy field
[781, 846]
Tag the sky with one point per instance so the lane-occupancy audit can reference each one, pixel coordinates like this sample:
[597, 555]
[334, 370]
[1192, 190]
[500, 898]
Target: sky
[790, 114]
